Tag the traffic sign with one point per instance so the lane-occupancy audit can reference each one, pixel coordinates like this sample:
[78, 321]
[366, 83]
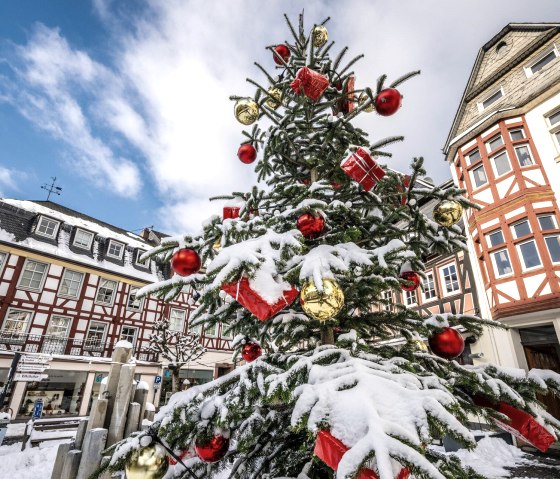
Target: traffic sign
[157, 380]
[30, 376]
[32, 367]
[38, 409]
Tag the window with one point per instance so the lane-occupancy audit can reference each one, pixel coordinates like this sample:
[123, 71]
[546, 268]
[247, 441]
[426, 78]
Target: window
[71, 284]
[16, 323]
[493, 98]
[95, 337]
[554, 121]
[547, 57]
[495, 143]
[410, 297]
[57, 333]
[516, 135]
[502, 263]
[83, 239]
[134, 303]
[495, 238]
[115, 249]
[529, 254]
[501, 164]
[521, 228]
[2, 259]
[553, 245]
[501, 49]
[473, 156]
[33, 275]
[106, 291]
[128, 333]
[177, 319]
[450, 280]
[523, 156]
[195, 329]
[211, 330]
[429, 286]
[225, 333]
[144, 263]
[479, 176]
[547, 222]
[387, 296]
[47, 227]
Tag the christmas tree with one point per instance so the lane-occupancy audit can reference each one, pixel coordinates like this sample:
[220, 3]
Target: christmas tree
[296, 271]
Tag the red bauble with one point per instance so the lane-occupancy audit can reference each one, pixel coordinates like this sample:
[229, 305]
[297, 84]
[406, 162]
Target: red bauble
[388, 101]
[410, 276]
[247, 153]
[185, 262]
[447, 344]
[251, 351]
[283, 52]
[181, 455]
[310, 226]
[213, 449]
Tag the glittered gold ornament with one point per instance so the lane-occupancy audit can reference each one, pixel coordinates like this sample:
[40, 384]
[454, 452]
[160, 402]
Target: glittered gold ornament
[274, 99]
[362, 99]
[320, 36]
[322, 305]
[150, 462]
[420, 345]
[217, 246]
[448, 212]
[246, 111]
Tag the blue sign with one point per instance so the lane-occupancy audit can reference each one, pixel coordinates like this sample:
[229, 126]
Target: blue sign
[38, 409]
[157, 380]
[167, 373]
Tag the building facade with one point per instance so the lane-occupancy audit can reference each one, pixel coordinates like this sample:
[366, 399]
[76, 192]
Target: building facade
[68, 285]
[504, 149]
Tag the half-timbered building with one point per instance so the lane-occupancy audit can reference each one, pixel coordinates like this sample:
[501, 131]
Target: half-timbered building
[504, 149]
[68, 285]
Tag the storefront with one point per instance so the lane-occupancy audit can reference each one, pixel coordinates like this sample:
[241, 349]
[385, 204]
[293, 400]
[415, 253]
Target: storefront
[194, 376]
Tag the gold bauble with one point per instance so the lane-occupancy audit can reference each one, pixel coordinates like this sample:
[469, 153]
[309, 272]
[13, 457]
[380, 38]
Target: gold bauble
[320, 36]
[448, 212]
[150, 462]
[420, 345]
[246, 111]
[362, 99]
[322, 305]
[217, 246]
[274, 99]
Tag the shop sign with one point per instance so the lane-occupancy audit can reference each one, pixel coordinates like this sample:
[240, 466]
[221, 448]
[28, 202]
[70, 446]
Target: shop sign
[30, 376]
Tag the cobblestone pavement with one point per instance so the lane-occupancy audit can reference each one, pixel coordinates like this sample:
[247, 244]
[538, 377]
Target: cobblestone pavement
[542, 466]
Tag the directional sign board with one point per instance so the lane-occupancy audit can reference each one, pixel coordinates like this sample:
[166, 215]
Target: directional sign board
[36, 359]
[25, 368]
[30, 376]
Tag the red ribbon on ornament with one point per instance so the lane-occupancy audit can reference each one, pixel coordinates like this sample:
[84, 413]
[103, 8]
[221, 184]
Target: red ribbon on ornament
[361, 167]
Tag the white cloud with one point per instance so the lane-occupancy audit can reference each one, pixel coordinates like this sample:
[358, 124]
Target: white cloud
[9, 179]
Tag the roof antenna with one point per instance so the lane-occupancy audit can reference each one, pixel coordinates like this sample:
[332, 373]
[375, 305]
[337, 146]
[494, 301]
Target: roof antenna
[52, 188]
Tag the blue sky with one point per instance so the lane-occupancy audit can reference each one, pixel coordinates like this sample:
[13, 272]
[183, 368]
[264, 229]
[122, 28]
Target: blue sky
[126, 103]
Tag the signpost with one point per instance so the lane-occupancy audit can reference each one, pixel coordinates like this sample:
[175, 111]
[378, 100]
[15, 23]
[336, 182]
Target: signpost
[11, 373]
[31, 367]
[157, 382]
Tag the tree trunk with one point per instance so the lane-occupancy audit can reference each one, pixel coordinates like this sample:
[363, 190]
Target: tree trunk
[175, 380]
[327, 335]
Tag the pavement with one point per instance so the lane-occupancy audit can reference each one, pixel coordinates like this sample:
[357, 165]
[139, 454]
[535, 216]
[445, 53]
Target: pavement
[538, 465]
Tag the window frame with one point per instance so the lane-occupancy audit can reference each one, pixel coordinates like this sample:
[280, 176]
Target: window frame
[30, 314]
[545, 237]
[524, 267]
[473, 178]
[112, 296]
[489, 149]
[487, 236]
[133, 342]
[211, 335]
[47, 218]
[554, 128]
[467, 156]
[480, 104]
[411, 298]
[128, 306]
[529, 66]
[441, 269]
[495, 264]
[81, 230]
[114, 242]
[494, 167]
[547, 215]
[103, 337]
[389, 296]
[3, 260]
[425, 286]
[79, 290]
[145, 264]
[68, 327]
[513, 130]
[223, 334]
[514, 232]
[518, 147]
[43, 279]
[183, 319]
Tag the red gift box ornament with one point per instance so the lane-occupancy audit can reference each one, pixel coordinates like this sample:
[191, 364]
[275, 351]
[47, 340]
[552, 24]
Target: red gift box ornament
[361, 167]
[231, 212]
[242, 292]
[311, 83]
[347, 103]
[521, 424]
[330, 450]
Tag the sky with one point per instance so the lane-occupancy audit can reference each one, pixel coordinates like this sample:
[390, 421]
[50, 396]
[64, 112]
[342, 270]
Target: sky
[127, 103]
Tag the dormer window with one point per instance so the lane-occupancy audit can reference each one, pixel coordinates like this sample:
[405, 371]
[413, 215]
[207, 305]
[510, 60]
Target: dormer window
[115, 249]
[47, 227]
[544, 59]
[491, 99]
[83, 239]
[139, 262]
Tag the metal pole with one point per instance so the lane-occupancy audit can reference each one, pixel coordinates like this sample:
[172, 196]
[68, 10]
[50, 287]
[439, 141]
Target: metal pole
[11, 374]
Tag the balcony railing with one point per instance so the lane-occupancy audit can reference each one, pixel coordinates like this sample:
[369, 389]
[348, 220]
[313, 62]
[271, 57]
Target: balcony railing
[46, 344]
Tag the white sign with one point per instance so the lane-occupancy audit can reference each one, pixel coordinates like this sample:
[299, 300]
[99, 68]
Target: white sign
[30, 376]
[35, 359]
[32, 367]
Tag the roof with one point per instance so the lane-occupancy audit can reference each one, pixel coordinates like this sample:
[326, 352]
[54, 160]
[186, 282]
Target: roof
[476, 85]
[19, 217]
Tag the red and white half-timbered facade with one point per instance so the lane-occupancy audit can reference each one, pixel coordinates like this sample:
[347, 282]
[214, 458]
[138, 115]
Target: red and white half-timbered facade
[68, 288]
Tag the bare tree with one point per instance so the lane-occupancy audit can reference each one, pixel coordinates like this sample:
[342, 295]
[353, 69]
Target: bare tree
[178, 348]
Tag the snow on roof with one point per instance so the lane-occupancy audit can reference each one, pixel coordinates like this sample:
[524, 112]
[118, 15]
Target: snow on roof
[129, 238]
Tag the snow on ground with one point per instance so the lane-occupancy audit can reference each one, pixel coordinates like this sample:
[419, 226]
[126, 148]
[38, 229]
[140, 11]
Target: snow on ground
[33, 463]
